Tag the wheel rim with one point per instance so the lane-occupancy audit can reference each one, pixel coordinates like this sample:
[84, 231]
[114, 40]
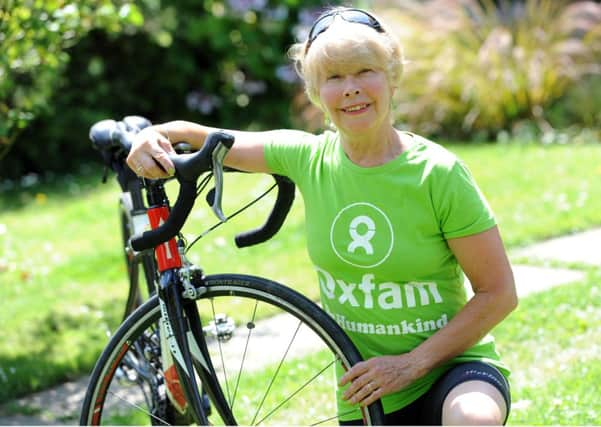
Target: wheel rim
[283, 374]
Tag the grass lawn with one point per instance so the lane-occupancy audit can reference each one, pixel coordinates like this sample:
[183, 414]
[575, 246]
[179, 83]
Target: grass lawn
[62, 279]
[552, 344]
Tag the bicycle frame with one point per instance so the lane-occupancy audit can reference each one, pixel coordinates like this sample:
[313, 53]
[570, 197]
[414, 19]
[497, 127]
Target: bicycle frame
[181, 321]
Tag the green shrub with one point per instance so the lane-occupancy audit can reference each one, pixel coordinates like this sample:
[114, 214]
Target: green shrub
[580, 105]
[34, 37]
[476, 68]
[218, 62]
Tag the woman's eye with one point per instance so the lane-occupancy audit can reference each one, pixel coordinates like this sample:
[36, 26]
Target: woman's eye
[365, 71]
[334, 77]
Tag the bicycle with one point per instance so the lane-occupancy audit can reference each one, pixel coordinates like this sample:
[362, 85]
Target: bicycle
[129, 377]
[106, 138]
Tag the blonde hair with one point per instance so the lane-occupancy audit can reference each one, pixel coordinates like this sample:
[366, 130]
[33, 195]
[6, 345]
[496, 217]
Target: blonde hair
[346, 44]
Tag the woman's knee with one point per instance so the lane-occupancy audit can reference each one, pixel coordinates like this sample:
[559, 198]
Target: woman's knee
[474, 403]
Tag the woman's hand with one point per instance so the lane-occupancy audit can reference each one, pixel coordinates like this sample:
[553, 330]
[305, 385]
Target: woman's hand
[377, 377]
[149, 155]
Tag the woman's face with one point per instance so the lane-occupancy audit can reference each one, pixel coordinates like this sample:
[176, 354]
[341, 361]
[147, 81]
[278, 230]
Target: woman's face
[356, 98]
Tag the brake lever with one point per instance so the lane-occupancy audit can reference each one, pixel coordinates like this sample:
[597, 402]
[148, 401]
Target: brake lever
[217, 158]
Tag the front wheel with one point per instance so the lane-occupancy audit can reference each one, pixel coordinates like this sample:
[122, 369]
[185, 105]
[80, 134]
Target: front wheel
[274, 351]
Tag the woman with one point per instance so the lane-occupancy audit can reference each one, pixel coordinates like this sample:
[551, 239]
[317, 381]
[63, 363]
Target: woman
[392, 220]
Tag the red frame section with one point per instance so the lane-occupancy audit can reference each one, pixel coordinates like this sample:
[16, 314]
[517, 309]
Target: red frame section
[166, 253]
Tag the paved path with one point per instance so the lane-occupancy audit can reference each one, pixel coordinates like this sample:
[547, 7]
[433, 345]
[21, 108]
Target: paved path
[57, 406]
[582, 248]
[60, 405]
[530, 279]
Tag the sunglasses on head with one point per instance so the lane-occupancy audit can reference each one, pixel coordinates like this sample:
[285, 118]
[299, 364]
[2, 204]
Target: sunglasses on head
[355, 16]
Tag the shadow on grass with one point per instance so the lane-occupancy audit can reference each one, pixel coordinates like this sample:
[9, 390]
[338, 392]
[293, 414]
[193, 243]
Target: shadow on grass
[64, 345]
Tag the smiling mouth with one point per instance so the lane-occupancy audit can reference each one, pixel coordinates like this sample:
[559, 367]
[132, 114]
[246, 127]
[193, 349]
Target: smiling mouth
[355, 108]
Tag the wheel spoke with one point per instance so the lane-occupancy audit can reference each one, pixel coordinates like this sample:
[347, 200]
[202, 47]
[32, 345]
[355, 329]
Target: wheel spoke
[277, 371]
[138, 407]
[333, 417]
[250, 329]
[298, 390]
[227, 386]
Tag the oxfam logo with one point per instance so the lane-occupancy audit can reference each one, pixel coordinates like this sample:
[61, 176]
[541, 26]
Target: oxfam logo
[362, 235]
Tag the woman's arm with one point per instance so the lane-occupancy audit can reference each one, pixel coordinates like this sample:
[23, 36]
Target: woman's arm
[149, 156]
[484, 261]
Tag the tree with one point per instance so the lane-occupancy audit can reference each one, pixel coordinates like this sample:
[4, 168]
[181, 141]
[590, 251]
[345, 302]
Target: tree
[34, 37]
[220, 62]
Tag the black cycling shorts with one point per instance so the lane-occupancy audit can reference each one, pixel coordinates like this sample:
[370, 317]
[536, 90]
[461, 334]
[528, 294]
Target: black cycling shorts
[427, 409]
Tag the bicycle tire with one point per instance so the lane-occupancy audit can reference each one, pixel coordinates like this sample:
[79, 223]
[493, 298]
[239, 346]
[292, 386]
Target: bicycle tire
[263, 294]
[134, 298]
[135, 294]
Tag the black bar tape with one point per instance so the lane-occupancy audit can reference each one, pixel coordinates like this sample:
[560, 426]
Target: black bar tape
[276, 217]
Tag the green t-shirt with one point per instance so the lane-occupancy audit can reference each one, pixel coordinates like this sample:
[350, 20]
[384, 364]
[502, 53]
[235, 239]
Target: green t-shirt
[377, 238]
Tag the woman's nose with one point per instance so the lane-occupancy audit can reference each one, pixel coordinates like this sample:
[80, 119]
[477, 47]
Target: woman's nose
[351, 87]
